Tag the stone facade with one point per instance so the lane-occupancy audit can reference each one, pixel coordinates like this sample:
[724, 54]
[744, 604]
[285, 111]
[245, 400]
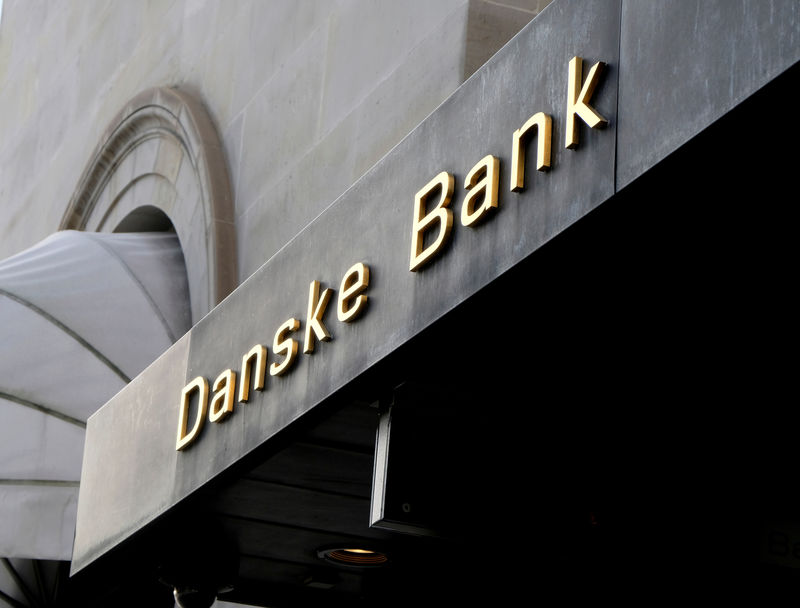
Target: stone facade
[306, 96]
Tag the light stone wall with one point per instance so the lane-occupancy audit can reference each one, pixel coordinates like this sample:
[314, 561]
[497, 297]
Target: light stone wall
[306, 94]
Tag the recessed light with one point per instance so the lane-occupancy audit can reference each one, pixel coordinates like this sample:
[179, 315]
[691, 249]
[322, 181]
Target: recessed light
[358, 557]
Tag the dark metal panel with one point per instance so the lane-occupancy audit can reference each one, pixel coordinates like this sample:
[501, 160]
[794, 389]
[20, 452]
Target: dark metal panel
[283, 543]
[351, 427]
[684, 65]
[371, 223]
[324, 468]
[298, 507]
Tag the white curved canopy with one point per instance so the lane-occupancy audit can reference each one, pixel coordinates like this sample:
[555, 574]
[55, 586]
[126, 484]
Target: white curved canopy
[80, 315]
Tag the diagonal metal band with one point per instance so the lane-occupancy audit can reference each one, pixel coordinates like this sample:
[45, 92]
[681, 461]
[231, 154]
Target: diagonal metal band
[136, 280]
[71, 333]
[43, 408]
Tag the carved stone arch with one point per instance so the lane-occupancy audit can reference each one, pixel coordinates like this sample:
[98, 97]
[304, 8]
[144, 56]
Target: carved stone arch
[161, 154]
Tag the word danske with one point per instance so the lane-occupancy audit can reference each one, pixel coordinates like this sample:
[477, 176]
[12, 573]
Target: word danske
[350, 305]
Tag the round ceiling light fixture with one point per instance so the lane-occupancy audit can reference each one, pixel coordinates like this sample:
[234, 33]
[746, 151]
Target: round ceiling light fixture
[354, 557]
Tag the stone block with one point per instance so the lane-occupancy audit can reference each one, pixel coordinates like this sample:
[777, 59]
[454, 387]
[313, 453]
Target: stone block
[491, 25]
[280, 122]
[313, 183]
[359, 57]
[407, 95]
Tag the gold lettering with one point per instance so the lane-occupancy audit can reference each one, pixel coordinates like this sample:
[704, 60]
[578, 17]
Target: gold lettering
[287, 347]
[200, 386]
[258, 354]
[355, 281]
[444, 183]
[578, 102]
[316, 308]
[483, 177]
[544, 130]
[222, 401]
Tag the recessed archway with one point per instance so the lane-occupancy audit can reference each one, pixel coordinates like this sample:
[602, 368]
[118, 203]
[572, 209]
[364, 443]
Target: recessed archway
[161, 158]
